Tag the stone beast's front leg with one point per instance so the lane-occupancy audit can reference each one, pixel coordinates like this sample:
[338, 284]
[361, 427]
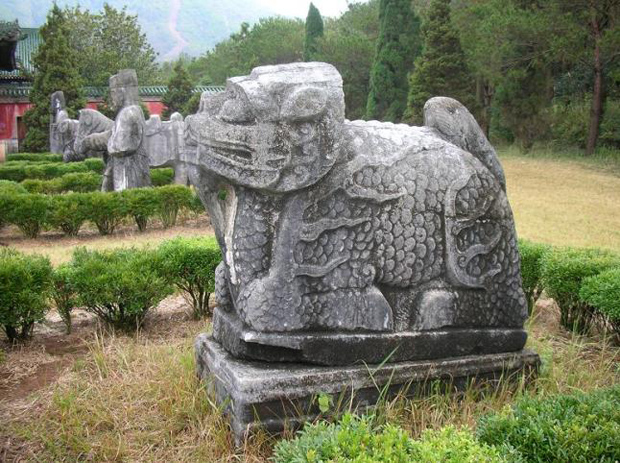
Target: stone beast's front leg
[280, 301]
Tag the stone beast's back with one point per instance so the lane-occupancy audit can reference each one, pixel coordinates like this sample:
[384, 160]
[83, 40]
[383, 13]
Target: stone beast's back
[338, 233]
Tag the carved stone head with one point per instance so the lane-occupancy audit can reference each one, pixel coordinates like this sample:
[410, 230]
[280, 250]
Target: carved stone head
[124, 89]
[276, 130]
[57, 103]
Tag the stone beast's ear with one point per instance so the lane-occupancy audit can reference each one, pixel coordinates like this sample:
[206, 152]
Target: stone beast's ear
[304, 104]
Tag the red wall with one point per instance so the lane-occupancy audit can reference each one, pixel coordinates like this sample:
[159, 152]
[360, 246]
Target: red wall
[9, 112]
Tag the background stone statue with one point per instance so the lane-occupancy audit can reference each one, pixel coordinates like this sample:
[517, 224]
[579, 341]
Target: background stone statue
[129, 160]
[165, 143]
[347, 241]
[91, 140]
[62, 129]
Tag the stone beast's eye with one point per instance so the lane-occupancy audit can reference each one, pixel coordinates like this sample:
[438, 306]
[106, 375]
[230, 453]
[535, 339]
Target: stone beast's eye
[236, 110]
[304, 104]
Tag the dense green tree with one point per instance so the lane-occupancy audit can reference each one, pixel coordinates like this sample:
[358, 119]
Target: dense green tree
[441, 70]
[507, 43]
[109, 41]
[56, 63]
[585, 34]
[179, 91]
[274, 40]
[314, 31]
[397, 48]
[349, 44]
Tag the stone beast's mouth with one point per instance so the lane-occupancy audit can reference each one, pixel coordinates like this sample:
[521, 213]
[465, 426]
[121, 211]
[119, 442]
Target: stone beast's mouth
[235, 151]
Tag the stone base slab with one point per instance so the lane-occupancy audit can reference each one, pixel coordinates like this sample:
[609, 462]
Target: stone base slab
[278, 396]
[342, 348]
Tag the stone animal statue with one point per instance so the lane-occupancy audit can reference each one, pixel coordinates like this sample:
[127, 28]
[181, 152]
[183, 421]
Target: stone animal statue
[164, 144]
[372, 233]
[91, 140]
[63, 129]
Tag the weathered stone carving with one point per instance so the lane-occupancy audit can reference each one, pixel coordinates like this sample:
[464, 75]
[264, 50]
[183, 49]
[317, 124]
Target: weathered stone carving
[120, 142]
[62, 129]
[128, 160]
[349, 241]
[165, 143]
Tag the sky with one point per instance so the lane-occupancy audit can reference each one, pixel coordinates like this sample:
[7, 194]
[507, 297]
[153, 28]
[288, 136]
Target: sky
[299, 8]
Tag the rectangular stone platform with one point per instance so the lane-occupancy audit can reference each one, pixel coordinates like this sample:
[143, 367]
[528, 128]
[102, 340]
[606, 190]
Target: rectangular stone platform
[276, 396]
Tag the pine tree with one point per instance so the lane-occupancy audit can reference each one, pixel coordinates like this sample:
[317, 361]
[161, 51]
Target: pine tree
[56, 69]
[397, 48]
[441, 70]
[314, 30]
[179, 91]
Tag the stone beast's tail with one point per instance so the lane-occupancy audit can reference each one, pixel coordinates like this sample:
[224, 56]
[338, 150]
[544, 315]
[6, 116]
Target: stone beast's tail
[455, 124]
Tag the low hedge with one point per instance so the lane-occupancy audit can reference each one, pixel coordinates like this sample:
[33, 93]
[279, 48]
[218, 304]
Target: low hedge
[34, 157]
[602, 292]
[189, 264]
[119, 286]
[531, 270]
[20, 172]
[25, 284]
[357, 439]
[33, 212]
[563, 271]
[580, 427]
[82, 182]
[162, 176]
[64, 294]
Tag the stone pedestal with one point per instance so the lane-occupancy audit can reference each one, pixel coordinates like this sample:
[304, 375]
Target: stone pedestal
[279, 395]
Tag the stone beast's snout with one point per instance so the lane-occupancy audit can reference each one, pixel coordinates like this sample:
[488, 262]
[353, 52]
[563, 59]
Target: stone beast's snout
[272, 131]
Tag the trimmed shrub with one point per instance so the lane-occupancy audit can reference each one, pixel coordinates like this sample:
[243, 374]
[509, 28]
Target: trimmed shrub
[580, 427]
[195, 206]
[356, 439]
[172, 198]
[82, 182]
[34, 157]
[162, 176]
[142, 204]
[68, 212]
[189, 264]
[25, 283]
[531, 265]
[63, 294]
[563, 270]
[119, 286]
[29, 212]
[602, 292]
[8, 190]
[106, 210]
[20, 172]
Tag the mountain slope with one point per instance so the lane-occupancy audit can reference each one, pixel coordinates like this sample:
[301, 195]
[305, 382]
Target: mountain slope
[172, 26]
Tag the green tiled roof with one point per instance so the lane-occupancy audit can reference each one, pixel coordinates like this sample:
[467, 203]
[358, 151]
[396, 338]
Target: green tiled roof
[23, 54]
[21, 90]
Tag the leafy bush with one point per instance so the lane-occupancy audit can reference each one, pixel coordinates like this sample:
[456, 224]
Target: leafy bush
[82, 182]
[142, 204]
[196, 206]
[189, 264]
[602, 292]
[531, 260]
[8, 190]
[162, 176]
[356, 439]
[28, 211]
[172, 198]
[63, 294]
[579, 427]
[25, 282]
[23, 171]
[106, 210]
[120, 286]
[68, 212]
[34, 157]
[563, 270]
